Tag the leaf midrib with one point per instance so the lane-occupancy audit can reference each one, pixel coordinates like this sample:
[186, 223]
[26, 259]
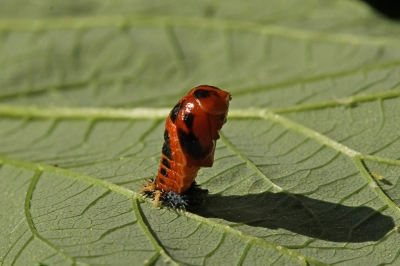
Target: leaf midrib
[161, 113]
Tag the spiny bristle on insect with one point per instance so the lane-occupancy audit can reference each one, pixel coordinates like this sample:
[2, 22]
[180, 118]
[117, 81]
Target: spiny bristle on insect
[174, 200]
[195, 195]
[149, 188]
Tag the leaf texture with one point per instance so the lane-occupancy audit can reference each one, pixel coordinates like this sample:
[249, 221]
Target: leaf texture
[307, 168]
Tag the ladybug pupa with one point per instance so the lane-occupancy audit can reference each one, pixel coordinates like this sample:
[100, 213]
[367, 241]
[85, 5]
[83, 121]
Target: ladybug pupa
[190, 136]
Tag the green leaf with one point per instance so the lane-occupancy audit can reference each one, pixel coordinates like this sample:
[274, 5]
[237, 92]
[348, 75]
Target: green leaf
[307, 167]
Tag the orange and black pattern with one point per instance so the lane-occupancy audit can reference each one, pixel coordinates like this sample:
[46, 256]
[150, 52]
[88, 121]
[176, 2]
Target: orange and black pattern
[190, 136]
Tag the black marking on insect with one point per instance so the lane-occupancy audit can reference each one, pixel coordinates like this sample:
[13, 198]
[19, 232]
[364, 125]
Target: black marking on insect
[166, 163]
[166, 148]
[175, 111]
[201, 94]
[188, 119]
[190, 144]
[164, 172]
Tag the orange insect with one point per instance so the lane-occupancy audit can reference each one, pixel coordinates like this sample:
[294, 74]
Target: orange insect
[190, 136]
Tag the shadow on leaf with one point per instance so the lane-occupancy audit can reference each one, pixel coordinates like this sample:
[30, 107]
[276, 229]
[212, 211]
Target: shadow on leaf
[301, 215]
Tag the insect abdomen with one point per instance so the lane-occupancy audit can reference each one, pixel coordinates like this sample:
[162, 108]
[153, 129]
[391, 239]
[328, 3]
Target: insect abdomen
[190, 136]
[173, 173]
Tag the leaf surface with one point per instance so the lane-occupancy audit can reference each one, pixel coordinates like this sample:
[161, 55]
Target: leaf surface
[307, 168]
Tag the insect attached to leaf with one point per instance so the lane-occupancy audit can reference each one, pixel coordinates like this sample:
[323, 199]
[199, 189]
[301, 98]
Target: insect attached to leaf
[190, 136]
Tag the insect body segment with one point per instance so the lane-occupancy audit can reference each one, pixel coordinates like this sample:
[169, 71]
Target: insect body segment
[190, 136]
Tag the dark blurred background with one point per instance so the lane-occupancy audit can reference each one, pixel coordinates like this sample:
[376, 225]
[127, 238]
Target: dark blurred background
[388, 8]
